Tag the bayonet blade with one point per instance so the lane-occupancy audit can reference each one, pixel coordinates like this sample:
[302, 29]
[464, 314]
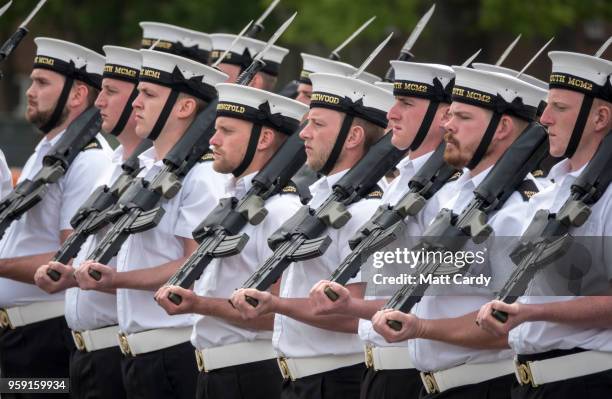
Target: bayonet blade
[507, 51]
[334, 54]
[601, 50]
[241, 34]
[267, 12]
[5, 7]
[275, 37]
[534, 57]
[373, 55]
[416, 32]
[154, 44]
[472, 58]
[33, 13]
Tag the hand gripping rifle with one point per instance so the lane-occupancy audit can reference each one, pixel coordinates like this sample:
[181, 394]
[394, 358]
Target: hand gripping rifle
[303, 236]
[219, 234]
[386, 224]
[450, 232]
[89, 219]
[139, 207]
[28, 193]
[548, 236]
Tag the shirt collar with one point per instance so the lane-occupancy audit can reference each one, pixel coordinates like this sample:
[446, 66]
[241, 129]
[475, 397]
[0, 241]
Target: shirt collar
[148, 158]
[467, 180]
[117, 156]
[45, 143]
[326, 183]
[562, 169]
[238, 187]
[407, 165]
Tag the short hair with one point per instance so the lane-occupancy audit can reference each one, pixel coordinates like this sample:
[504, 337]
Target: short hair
[269, 81]
[200, 104]
[373, 132]
[92, 92]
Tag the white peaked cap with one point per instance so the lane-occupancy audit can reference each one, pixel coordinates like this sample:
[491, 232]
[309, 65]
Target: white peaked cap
[329, 91]
[507, 71]
[122, 63]
[314, 64]
[246, 103]
[582, 73]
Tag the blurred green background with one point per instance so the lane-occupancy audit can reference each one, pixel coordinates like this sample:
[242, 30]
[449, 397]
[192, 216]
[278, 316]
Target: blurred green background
[457, 29]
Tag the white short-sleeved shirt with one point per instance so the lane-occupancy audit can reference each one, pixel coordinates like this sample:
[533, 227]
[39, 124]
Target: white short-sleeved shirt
[223, 275]
[89, 309]
[38, 231]
[136, 309]
[538, 337]
[6, 178]
[292, 338]
[449, 301]
[399, 186]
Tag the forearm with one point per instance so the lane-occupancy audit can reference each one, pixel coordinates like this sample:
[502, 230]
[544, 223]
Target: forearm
[300, 309]
[147, 279]
[585, 312]
[221, 308]
[23, 268]
[364, 308]
[461, 331]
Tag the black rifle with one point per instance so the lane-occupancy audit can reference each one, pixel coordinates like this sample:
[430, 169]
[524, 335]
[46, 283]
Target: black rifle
[450, 232]
[303, 236]
[548, 236]
[90, 217]
[28, 193]
[386, 224]
[139, 207]
[219, 234]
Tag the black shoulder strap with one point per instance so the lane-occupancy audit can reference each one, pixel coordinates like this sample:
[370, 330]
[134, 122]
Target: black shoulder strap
[527, 189]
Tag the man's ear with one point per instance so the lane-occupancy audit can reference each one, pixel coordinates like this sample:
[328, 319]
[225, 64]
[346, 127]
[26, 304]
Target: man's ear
[355, 137]
[603, 118]
[257, 81]
[266, 138]
[504, 128]
[185, 107]
[78, 95]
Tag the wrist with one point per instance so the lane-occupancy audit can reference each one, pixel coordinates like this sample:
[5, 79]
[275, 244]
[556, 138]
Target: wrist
[423, 327]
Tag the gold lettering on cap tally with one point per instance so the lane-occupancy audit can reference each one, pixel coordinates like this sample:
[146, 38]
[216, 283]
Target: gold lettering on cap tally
[324, 98]
[231, 108]
[44, 60]
[150, 73]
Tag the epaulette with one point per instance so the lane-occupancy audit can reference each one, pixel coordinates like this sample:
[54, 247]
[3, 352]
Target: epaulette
[456, 176]
[93, 145]
[290, 188]
[544, 167]
[208, 156]
[376, 193]
[527, 189]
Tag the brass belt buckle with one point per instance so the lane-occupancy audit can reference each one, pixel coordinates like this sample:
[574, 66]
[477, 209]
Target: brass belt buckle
[524, 374]
[5, 321]
[124, 345]
[284, 368]
[199, 360]
[369, 356]
[430, 383]
[79, 341]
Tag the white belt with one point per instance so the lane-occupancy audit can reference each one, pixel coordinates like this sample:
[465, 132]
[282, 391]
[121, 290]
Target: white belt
[232, 355]
[20, 316]
[387, 358]
[539, 372]
[466, 374]
[295, 368]
[152, 340]
[93, 340]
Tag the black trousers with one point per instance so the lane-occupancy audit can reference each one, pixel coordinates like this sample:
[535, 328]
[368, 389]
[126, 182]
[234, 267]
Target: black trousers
[343, 383]
[96, 374]
[166, 373]
[257, 380]
[37, 350]
[593, 386]
[497, 388]
[391, 384]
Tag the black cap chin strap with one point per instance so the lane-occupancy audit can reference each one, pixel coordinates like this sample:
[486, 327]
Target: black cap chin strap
[163, 115]
[430, 114]
[59, 106]
[337, 149]
[486, 140]
[250, 151]
[581, 121]
[125, 115]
